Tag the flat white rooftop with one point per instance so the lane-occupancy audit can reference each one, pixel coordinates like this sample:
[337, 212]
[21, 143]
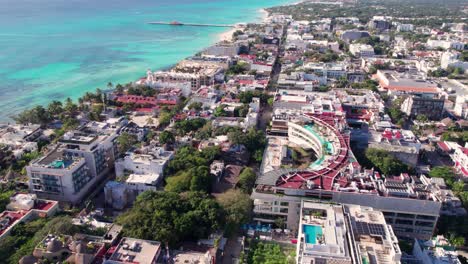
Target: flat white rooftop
[132, 250]
[148, 179]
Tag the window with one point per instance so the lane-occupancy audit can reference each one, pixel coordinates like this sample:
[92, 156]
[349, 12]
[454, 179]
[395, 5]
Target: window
[401, 215]
[426, 217]
[424, 224]
[284, 203]
[403, 222]
[284, 210]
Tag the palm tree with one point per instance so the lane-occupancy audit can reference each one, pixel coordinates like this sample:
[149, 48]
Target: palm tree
[110, 85]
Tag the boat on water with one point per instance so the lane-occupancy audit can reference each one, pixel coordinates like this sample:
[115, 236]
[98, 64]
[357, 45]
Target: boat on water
[176, 23]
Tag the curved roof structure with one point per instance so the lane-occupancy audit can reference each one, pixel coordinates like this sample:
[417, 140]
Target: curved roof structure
[332, 166]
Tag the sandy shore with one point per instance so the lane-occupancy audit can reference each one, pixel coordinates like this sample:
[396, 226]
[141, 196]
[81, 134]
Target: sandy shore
[227, 35]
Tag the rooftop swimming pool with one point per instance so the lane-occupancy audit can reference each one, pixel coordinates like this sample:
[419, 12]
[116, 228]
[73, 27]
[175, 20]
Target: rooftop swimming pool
[311, 232]
[328, 146]
[58, 164]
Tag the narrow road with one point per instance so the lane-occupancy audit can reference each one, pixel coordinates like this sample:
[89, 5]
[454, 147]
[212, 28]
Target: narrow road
[232, 250]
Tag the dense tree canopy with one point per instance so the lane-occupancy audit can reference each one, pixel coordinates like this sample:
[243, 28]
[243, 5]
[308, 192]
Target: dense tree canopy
[25, 236]
[247, 179]
[166, 137]
[267, 253]
[171, 217]
[236, 207]
[445, 173]
[383, 161]
[188, 125]
[126, 141]
[189, 171]
[254, 140]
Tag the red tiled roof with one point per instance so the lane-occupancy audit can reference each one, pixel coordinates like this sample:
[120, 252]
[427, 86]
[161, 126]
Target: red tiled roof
[325, 177]
[44, 206]
[464, 171]
[465, 150]
[443, 146]
[426, 89]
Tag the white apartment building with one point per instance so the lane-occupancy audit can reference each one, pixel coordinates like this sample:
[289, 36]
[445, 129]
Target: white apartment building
[344, 234]
[223, 49]
[327, 70]
[452, 59]
[182, 80]
[405, 27]
[361, 50]
[135, 251]
[152, 162]
[446, 44]
[60, 176]
[461, 106]
[460, 158]
[435, 251]
[70, 171]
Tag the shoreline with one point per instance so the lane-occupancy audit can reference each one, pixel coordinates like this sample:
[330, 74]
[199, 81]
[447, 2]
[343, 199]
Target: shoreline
[262, 16]
[227, 35]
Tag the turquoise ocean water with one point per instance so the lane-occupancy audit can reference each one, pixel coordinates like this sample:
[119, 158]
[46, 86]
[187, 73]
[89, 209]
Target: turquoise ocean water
[54, 49]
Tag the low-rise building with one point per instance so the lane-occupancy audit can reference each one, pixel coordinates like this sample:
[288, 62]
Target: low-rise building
[452, 59]
[20, 139]
[461, 106]
[435, 251]
[397, 84]
[446, 44]
[150, 160]
[63, 248]
[380, 23]
[316, 122]
[132, 250]
[405, 27]
[430, 106]
[24, 208]
[460, 159]
[327, 70]
[350, 36]
[344, 234]
[402, 144]
[361, 50]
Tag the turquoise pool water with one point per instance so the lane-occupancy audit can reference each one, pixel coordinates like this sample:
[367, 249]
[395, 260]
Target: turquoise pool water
[311, 232]
[60, 164]
[328, 146]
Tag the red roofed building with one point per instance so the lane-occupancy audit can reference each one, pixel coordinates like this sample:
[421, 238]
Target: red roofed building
[24, 207]
[396, 84]
[460, 158]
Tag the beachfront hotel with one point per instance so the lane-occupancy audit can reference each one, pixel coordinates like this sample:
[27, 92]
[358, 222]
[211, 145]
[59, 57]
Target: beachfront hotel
[344, 234]
[316, 123]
